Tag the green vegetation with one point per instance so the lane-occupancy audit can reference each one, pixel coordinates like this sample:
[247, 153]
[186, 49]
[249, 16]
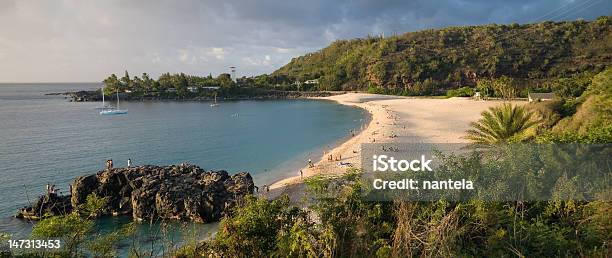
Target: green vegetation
[341, 223]
[182, 86]
[584, 119]
[502, 124]
[461, 92]
[535, 56]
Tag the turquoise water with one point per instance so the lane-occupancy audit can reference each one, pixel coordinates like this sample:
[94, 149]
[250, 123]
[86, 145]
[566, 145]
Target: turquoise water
[49, 139]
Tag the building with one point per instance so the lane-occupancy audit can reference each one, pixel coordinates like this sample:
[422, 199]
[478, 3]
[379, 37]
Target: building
[313, 81]
[193, 89]
[541, 96]
[171, 90]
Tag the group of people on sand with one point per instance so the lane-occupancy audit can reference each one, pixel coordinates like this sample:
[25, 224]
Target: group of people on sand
[109, 163]
[330, 157]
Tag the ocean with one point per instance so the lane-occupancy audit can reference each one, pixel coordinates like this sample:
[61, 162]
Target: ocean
[48, 139]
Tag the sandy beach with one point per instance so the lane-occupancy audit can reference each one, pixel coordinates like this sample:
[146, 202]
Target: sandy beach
[395, 119]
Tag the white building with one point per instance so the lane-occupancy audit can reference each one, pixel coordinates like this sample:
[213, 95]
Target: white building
[313, 81]
[541, 96]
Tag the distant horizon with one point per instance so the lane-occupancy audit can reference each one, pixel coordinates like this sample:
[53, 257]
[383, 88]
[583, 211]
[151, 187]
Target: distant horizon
[80, 41]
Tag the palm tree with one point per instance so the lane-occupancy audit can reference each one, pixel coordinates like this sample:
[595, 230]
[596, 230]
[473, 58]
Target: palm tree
[502, 124]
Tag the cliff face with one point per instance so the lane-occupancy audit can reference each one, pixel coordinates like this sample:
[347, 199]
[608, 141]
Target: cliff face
[182, 192]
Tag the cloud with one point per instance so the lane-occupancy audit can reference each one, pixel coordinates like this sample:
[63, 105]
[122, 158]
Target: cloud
[84, 40]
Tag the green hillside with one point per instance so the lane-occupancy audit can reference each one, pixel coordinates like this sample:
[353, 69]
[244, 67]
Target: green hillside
[432, 61]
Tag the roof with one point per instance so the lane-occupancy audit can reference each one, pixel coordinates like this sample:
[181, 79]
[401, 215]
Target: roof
[548, 95]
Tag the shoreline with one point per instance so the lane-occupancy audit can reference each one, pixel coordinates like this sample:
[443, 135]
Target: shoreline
[249, 94]
[393, 119]
[347, 151]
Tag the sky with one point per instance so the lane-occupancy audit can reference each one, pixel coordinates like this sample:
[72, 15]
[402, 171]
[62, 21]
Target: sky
[86, 40]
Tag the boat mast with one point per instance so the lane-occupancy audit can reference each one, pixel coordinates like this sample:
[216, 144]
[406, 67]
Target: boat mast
[103, 105]
[117, 98]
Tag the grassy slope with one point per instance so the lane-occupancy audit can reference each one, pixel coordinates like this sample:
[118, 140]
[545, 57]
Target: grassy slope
[595, 109]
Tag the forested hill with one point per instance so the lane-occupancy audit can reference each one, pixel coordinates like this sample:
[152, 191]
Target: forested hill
[431, 61]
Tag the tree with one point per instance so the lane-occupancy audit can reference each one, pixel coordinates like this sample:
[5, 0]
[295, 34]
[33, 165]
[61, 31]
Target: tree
[72, 229]
[126, 82]
[504, 87]
[181, 85]
[485, 87]
[147, 82]
[225, 80]
[111, 84]
[252, 229]
[502, 124]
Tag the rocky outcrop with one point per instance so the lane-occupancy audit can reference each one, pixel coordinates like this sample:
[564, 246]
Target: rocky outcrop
[48, 204]
[182, 192]
[84, 96]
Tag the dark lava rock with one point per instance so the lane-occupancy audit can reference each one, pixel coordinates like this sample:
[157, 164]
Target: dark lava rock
[49, 204]
[182, 192]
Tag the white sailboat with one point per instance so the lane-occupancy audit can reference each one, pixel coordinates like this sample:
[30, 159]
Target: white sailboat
[114, 110]
[215, 104]
[104, 105]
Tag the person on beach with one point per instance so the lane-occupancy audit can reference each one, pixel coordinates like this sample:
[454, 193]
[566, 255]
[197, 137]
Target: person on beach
[310, 163]
[301, 174]
[129, 163]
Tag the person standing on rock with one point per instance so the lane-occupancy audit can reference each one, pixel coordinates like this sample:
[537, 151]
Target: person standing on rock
[301, 174]
[129, 163]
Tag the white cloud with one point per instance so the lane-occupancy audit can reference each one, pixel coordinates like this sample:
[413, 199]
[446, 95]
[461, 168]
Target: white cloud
[217, 52]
